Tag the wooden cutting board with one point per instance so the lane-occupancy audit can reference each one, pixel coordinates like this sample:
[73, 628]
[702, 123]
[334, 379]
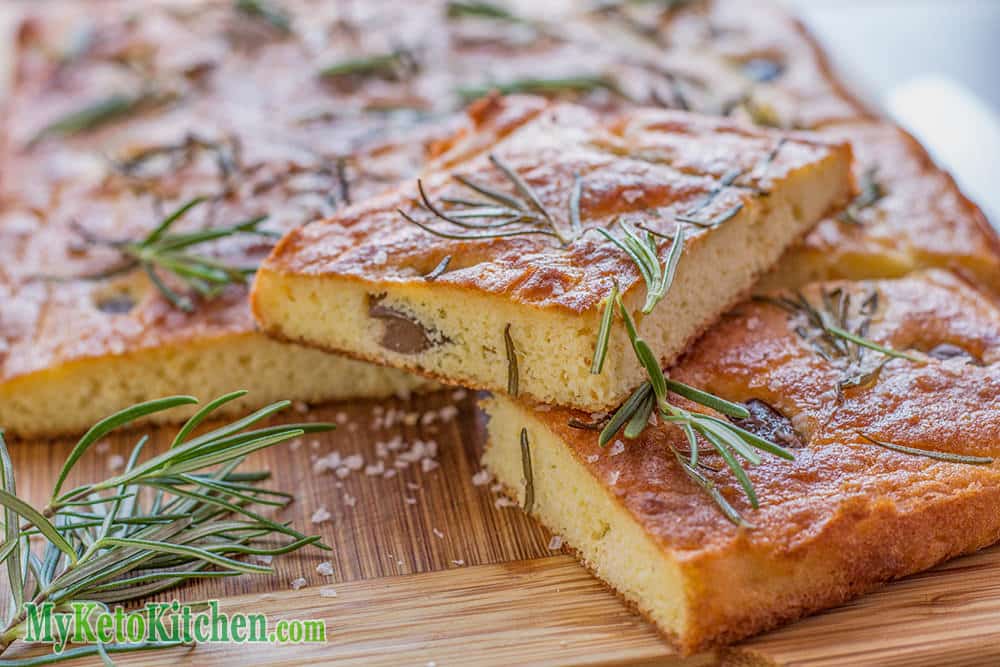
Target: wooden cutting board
[428, 570]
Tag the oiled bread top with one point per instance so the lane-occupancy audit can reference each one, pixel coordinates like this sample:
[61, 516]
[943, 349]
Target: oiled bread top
[643, 166]
[918, 216]
[948, 403]
[256, 129]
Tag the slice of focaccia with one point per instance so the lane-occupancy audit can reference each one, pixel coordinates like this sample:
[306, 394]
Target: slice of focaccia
[908, 215]
[845, 515]
[494, 269]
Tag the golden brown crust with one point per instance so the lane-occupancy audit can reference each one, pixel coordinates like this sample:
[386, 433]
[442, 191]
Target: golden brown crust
[919, 220]
[846, 515]
[646, 165]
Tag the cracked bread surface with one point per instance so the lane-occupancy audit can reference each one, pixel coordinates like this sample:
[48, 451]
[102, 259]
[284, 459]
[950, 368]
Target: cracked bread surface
[844, 517]
[356, 283]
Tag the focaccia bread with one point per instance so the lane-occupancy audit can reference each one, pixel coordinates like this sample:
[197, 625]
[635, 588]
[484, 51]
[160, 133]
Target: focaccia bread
[908, 216]
[115, 119]
[494, 270]
[845, 516]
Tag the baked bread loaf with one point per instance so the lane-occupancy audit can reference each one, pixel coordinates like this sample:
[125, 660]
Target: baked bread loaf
[846, 515]
[495, 269]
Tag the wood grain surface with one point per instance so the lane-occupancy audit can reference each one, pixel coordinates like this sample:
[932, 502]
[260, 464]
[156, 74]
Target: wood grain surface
[427, 569]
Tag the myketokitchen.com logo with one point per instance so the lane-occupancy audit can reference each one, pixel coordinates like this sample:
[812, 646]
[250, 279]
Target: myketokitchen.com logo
[92, 623]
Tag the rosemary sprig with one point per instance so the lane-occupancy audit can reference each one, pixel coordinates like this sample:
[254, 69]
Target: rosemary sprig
[495, 212]
[708, 486]
[931, 454]
[575, 85]
[731, 442]
[828, 331]
[725, 216]
[871, 192]
[529, 476]
[644, 253]
[162, 251]
[268, 12]
[164, 520]
[512, 371]
[394, 65]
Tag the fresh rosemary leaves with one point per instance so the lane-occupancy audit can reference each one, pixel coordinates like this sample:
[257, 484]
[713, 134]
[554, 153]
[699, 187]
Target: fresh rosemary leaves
[266, 11]
[827, 330]
[166, 519]
[871, 192]
[529, 475]
[97, 114]
[574, 85]
[498, 214]
[643, 252]
[513, 377]
[161, 250]
[731, 442]
[930, 453]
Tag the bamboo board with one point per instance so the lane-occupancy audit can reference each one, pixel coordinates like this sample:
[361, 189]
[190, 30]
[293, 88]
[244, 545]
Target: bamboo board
[428, 570]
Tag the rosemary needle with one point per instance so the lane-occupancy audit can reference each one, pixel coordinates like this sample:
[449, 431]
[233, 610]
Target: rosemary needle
[512, 371]
[941, 456]
[93, 116]
[540, 86]
[604, 332]
[393, 65]
[466, 8]
[266, 11]
[439, 269]
[529, 477]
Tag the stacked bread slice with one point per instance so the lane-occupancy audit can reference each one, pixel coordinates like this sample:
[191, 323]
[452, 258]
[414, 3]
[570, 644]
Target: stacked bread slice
[495, 269]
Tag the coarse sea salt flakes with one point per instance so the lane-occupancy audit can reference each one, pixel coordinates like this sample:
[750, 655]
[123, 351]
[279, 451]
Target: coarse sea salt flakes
[321, 515]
